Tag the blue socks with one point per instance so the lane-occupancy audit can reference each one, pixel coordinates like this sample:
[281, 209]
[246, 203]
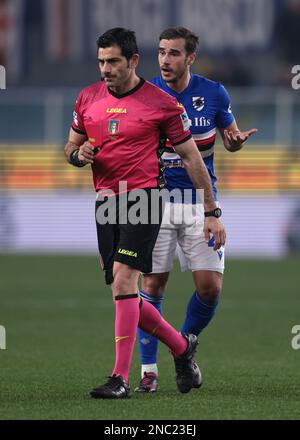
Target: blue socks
[148, 344]
[199, 313]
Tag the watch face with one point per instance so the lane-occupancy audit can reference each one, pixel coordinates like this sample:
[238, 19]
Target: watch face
[217, 212]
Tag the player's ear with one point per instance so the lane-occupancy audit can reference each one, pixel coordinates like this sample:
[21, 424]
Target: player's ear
[134, 61]
[191, 58]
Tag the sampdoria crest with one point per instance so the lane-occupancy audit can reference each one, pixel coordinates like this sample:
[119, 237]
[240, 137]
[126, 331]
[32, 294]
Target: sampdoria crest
[198, 103]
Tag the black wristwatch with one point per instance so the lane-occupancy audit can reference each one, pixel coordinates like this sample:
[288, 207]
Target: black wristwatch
[217, 212]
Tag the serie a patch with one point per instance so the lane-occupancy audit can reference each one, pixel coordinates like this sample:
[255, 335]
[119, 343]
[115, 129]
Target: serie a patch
[186, 123]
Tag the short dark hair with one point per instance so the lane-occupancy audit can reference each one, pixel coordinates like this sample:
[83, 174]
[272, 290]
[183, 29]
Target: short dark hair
[172, 33]
[123, 38]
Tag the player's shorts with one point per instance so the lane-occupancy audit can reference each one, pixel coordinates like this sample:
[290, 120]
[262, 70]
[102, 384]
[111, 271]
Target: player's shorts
[181, 232]
[128, 243]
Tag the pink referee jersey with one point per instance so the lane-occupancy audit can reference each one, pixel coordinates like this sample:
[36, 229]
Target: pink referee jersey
[127, 129]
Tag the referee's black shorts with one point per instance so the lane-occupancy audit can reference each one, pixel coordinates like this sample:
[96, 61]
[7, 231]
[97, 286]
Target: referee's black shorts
[119, 239]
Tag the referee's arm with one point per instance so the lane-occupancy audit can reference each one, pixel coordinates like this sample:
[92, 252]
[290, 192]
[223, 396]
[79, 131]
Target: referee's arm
[78, 150]
[196, 169]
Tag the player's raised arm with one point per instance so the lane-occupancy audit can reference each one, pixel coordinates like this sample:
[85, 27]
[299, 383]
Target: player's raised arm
[233, 138]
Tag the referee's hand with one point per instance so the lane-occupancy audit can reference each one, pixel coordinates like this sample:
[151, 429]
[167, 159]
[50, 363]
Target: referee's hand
[86, 153]
[213, 225]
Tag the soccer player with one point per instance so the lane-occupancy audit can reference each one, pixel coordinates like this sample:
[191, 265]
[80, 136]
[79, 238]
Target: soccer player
[208, 106]
[116, 129]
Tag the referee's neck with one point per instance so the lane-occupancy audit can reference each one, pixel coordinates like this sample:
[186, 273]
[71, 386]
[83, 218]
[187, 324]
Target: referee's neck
[127, 86]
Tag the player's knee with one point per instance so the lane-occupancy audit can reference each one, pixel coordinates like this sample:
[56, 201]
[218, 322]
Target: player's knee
[154, 285]
[210, 291]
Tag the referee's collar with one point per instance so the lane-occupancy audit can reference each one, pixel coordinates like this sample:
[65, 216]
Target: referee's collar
[130, 92]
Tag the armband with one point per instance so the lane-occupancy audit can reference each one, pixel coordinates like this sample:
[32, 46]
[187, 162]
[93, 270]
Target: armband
[74, 160]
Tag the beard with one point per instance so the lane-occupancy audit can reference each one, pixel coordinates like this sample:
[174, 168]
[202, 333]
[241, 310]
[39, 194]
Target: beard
[176, 75]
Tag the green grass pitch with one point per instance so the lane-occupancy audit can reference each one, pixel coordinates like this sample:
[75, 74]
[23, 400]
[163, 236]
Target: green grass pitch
[59, 317]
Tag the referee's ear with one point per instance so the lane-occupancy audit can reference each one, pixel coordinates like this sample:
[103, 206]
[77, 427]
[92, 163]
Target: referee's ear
[134, 61]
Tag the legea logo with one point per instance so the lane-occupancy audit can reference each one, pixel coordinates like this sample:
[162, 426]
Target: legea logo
[2, 78]
[2, 338]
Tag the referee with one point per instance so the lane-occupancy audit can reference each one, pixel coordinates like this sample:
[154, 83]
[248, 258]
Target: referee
[117, 127]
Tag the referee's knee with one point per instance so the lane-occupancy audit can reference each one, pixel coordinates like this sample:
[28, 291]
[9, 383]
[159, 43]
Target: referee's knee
[125, 279]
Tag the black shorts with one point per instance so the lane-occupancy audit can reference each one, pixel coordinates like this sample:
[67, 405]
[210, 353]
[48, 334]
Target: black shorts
[119, 239]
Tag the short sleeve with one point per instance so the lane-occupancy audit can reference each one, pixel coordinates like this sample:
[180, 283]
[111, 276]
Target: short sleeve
[175, 122]
[77, 123]
[224, 114]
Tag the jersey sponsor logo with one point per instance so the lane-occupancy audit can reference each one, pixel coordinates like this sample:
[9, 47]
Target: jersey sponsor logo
[113, 126]
[202, 122]
[116, 110]
[175, 162]
[127, 252]
[186, 123]
[198, 103]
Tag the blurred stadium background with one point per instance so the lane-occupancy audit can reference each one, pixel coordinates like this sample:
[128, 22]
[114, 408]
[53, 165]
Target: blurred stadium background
[48, 50]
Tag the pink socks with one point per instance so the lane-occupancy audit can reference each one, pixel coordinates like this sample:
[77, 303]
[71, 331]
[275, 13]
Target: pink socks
[129, 315]
[153, 323]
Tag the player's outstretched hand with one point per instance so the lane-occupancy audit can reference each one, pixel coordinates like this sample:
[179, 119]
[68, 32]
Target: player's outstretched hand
[86, 153]
[213, 225]
[236, 138]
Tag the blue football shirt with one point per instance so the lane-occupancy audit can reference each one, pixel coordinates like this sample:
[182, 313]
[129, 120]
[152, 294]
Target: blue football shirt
[207, 104]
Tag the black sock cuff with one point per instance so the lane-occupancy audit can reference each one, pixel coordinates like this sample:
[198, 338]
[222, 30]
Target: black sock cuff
[133, 295]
